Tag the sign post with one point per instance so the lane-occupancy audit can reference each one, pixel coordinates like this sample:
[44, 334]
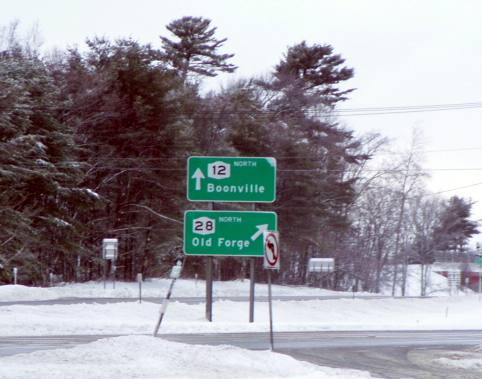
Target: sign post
[174, 275]
[110, 252]
[15, 270]
[139, 280]
[229, 179]
[271, 262]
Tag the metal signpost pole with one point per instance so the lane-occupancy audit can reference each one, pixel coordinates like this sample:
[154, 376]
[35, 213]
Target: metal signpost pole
[251, 289]
[15, 270]
[270, 304]
[209, 288]
[209, 283]
[271, 262]
[251, 283]
[113, 273]
[139, 280]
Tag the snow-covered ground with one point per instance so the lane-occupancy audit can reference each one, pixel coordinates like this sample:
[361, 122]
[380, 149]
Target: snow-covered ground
[458, 312]
[470, 360]
[436, 286]
[139, 356]
[155, 288]
[147, 357]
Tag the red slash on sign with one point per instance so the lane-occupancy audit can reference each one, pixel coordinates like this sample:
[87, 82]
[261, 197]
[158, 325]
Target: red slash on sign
[271, 250]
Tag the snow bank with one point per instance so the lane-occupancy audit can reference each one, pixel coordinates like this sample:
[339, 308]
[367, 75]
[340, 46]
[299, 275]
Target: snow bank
[154, 288]
[467, 360]
[228, 316]
[147, 357]
[437, 285]
[22, 293]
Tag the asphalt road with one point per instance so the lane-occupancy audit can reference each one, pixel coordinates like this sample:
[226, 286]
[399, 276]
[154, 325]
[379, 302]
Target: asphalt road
[187, 300]
[398, 354]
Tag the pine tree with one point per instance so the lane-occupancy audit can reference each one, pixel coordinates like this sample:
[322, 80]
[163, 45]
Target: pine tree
[312, 151]
[131, 118]
[40, 176]
[455, 227]
[197, 48]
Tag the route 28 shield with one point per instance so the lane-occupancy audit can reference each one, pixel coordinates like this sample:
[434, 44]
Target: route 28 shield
[271, 250]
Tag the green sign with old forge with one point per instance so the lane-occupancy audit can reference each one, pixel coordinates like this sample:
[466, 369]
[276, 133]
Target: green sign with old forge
[229, 233]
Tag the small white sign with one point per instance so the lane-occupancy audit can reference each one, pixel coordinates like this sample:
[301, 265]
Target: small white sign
[271, 250]
[321, 265]
[109, 248]
[204, 225]
[219, 170]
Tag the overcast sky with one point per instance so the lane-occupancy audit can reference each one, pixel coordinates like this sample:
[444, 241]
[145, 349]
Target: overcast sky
[404, 53]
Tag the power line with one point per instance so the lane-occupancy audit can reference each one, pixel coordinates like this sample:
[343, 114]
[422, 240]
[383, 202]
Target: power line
[76, 165]
[458, 188]
[346, 112]
[405, 107]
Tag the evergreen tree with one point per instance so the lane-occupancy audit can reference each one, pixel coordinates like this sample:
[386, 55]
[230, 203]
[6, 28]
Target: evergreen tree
[455, 227]
[312, 151]
[131, 118]
[40, 176]
[196, 50]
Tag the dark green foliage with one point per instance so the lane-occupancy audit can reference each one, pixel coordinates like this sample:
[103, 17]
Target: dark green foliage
[197, 48]
[121, 119]
[39, 174]
[131, 120]
[455, 227]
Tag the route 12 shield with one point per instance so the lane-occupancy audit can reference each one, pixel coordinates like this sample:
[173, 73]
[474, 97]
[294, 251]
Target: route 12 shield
[271, 251]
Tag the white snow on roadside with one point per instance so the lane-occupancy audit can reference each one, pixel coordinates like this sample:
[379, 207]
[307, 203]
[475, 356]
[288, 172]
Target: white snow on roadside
[147, 357]
[22, 293]
[467, 360]
[155, 288]
[196, 288]
[228, 316]
[437, 284]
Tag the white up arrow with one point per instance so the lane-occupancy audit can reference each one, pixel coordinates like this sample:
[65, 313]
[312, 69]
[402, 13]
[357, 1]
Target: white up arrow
[198, 175]
[261, 229]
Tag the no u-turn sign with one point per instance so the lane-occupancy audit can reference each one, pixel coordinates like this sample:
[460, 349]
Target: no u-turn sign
[271, 250]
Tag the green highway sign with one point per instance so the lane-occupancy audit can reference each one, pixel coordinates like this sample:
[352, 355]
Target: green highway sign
[236, 179]
[227, 233]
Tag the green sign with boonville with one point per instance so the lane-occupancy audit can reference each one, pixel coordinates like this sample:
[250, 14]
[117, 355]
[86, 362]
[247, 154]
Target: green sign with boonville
[231, 179]
[227, 233]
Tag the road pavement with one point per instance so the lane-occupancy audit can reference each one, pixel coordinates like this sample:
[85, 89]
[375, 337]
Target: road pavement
[186, 300]
[388, 354]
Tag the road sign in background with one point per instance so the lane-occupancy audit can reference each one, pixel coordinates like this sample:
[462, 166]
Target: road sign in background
[271, 250]
[235, 179]
[227, 233]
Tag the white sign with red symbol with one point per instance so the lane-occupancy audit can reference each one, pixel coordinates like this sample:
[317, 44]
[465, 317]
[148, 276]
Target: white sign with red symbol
[271, 250]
